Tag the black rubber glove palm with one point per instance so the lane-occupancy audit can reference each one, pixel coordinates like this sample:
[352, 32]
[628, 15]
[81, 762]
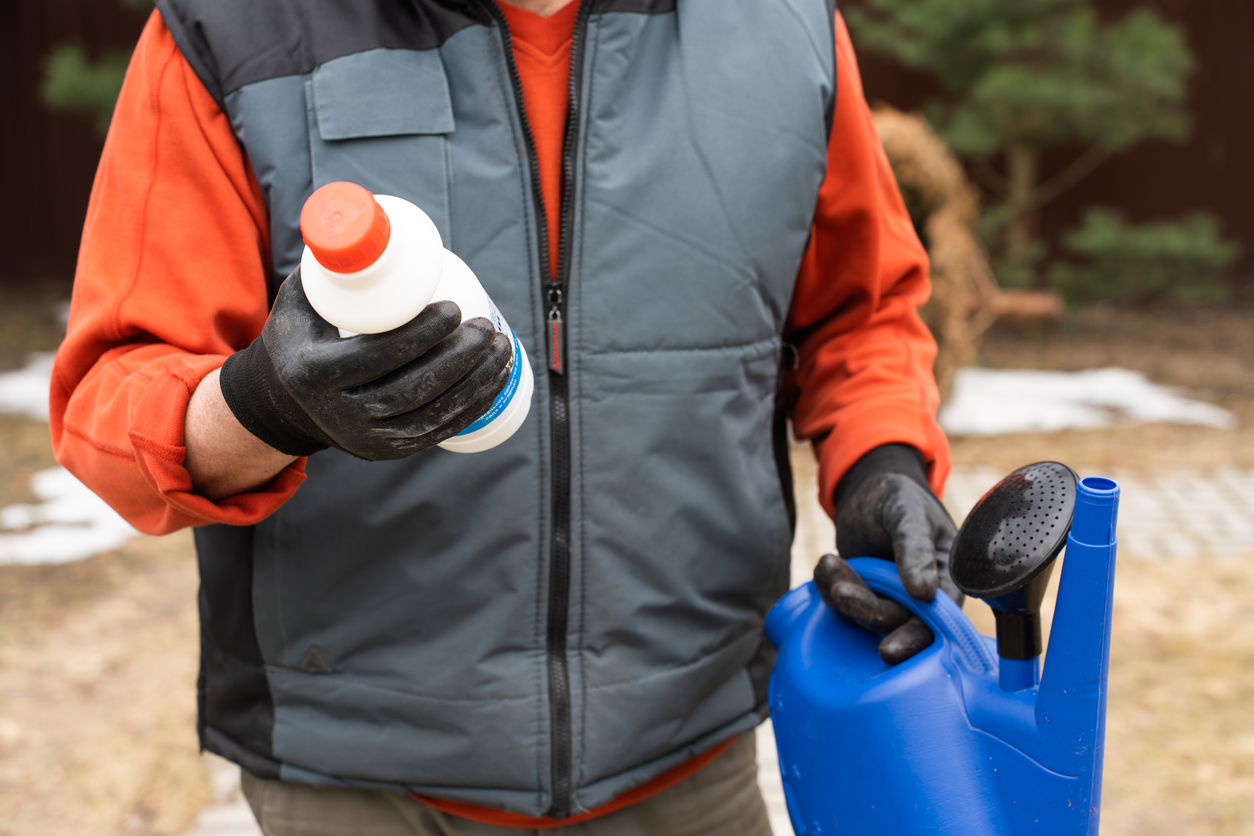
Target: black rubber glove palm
[894, 516]
[301, 388]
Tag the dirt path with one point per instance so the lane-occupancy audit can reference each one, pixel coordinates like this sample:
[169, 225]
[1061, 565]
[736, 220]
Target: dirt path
[1180, 733]
[1180, 729]
[98, 659]
[97, 695]
[97, 705]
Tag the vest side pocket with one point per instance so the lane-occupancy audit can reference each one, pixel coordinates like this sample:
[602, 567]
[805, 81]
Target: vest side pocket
[380, 118]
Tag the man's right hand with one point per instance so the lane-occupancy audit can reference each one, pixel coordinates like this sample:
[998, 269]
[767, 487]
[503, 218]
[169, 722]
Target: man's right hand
[301, 388]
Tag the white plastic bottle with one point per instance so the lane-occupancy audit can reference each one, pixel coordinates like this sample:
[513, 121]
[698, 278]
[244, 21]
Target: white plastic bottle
[373, 262]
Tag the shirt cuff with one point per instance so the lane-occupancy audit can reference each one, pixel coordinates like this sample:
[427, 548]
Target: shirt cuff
[157, 437]
[859, 432]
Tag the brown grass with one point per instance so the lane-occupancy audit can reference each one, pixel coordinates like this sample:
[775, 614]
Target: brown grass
[1180, 729]
[1180, 724]
[1180, 734]
[97, 694]
[98, 659]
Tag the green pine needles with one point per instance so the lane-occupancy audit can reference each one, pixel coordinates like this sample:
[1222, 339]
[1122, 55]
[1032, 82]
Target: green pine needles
[1019, 76]
[1180, 261]
[74, 83]
[1036, 72]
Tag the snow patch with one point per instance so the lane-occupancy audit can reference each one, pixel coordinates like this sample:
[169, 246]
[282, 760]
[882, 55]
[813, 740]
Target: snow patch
[24, 392]
[69, 523]
[1000, 401]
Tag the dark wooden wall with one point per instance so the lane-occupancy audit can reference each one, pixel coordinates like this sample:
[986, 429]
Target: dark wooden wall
[1213, 171]
[47, 160]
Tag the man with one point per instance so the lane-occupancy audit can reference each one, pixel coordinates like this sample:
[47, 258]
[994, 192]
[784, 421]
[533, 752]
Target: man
[682, 209]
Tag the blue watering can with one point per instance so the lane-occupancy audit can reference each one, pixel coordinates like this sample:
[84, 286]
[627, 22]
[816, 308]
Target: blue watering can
[966, 738]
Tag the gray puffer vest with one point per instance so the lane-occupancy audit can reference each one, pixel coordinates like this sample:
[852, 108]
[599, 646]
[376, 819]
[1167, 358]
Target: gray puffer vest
[543, 626]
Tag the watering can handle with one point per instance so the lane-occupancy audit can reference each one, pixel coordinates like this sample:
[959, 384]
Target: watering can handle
[941, 614]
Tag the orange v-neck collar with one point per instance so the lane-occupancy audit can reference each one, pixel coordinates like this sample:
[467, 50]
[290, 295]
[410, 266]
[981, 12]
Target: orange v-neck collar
[548, 37]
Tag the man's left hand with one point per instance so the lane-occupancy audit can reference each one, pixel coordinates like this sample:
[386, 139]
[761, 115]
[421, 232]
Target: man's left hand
[890, 516]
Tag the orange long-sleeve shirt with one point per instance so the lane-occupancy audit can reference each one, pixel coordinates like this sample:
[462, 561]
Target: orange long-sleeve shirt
[174, 197]
[172, 279]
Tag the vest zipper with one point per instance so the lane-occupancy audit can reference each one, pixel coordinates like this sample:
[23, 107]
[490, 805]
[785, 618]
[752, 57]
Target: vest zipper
[559, 400]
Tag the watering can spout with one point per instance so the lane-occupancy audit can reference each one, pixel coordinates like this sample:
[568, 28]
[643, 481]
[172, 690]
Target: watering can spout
[1071, 706]
[1097, 505]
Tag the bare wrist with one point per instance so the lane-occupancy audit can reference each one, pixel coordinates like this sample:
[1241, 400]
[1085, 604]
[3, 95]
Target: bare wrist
[222, 458]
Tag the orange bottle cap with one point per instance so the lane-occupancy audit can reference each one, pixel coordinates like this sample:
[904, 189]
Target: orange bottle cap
[345, 227]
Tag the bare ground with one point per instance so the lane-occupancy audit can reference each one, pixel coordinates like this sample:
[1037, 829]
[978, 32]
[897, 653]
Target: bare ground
[98, 659]
[1180, 728]
[97, 694]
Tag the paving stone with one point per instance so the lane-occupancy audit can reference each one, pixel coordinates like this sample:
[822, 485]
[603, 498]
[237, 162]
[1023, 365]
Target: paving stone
[1178, 514]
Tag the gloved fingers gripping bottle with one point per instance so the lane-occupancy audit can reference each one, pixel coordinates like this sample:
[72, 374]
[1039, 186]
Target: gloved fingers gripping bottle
[374, 262]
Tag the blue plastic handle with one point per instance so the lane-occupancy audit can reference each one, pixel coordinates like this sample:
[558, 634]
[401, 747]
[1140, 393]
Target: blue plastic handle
[941, 614]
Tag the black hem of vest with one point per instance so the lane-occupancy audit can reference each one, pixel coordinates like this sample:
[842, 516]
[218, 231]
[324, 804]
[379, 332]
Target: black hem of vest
[237, 753]
[779, 449]
[829, 115]
[267, 768]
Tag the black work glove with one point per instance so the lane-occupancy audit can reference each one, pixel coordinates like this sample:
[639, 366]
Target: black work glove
[301, 388]
[885, 509]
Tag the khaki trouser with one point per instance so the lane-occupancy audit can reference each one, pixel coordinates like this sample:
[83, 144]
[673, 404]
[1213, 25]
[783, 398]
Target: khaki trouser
[721, 799]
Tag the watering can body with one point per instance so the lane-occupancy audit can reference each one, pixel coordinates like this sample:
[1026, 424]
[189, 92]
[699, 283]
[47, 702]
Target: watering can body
[934, 744]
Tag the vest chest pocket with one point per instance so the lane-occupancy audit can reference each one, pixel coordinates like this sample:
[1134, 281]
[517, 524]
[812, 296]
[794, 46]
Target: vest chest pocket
[381, 118]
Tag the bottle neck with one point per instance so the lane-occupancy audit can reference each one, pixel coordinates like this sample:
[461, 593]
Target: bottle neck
[367, 276]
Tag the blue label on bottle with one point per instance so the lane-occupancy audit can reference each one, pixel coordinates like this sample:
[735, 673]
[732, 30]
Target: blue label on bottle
[515, 376]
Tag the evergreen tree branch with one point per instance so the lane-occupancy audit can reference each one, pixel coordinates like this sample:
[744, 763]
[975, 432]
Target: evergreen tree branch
[1080, 168]
[989, 177]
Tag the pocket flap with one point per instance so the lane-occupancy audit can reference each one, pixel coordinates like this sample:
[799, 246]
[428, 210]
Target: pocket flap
[382, 92]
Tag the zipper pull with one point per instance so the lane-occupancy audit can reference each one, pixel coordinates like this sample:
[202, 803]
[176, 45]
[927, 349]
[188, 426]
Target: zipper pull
[556, 333]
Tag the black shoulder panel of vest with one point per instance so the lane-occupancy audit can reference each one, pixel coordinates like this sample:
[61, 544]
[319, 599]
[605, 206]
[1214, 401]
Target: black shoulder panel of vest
[657, 7]
[230, 43]
[648, 7]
